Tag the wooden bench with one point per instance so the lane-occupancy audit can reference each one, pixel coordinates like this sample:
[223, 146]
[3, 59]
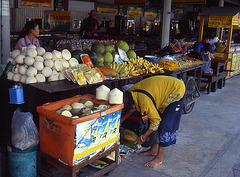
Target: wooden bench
[215, 81]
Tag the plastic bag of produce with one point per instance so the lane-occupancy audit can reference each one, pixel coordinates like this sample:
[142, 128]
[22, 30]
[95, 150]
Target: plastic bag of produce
[24, 132]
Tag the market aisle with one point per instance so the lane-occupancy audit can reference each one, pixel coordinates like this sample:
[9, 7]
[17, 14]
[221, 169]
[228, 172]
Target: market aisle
[208, 142]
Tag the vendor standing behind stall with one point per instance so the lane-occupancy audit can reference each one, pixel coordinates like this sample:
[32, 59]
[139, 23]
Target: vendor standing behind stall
[89, 25]
[28, 35]
[161, 98]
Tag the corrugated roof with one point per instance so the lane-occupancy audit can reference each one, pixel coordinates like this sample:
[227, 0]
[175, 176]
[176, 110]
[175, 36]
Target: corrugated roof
[221, 11]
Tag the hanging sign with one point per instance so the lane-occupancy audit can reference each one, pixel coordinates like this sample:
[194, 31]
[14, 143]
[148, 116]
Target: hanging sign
[130, 2]
[178, 2]
[106, 8]
[221, 21]
[135, 11]
[150, 13]
[54, 20]
[37, 3]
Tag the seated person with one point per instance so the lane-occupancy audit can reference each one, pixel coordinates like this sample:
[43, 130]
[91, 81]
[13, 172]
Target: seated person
[177, 44]
[207, 56]
[199, 45]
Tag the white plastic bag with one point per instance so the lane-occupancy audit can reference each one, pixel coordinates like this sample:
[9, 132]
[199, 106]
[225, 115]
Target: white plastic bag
[24, 132]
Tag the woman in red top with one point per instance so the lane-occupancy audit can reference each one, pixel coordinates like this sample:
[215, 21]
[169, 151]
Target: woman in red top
[178, 42]
[28, 35]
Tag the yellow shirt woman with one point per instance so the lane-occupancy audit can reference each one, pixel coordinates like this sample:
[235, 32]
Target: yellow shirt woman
[164, 89]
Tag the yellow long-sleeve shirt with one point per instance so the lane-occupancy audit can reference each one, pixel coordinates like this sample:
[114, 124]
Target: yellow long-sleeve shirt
[164, 89]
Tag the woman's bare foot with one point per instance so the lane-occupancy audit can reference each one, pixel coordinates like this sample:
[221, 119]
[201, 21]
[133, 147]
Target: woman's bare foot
[154, 163]
[148, 153]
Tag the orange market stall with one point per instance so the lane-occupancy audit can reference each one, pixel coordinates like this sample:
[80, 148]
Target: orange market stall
[226, 58]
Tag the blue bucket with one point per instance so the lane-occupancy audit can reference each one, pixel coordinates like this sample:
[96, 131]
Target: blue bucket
[151, 58]
[22, 163]
[16, 95]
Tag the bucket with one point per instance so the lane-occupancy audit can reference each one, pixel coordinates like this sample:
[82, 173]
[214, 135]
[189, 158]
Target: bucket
[16, 95]
[22, 163]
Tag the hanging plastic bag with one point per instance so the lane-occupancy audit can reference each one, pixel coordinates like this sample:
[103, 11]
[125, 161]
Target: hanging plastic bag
[24, 132]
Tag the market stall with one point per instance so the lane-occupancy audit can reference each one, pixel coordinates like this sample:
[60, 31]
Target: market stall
[48, 77]
[226, 56]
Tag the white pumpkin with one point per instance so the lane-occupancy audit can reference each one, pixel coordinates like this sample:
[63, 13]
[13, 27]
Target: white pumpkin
[56, 55]
[31, 72]
[14, 62]
[77, 105]
[64, 62]
[67, 107]
[39, 58]
[16, 77]
[32, 52]
[61, 76]
[38, 65]
[20, 59]
[116, 96]
[47, 55]
[40, 78]
[47, 71]
[31, 80]
[29, 60]
[40, 51]
[73, 62]
[15, 53]
[48, 63]
[54, 76]
[15, 69]
[23, 79]
[10, 75]
[102, 93]
[10, 59]
[23, 50]
[66, 54]
[58, 65]
[22, 70]
[31, 47]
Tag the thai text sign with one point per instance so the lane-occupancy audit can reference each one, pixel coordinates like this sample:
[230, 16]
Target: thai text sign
[37, 3]
[222, 21]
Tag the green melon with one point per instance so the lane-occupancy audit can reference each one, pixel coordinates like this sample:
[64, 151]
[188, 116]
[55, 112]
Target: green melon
[108, 58]
[122, 45]
[98, 48]
[131, 54]
[100, 58]
[108, 48]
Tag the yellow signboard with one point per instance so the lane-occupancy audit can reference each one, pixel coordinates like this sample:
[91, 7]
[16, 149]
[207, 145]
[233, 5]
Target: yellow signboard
[222, 21]
[177, 2]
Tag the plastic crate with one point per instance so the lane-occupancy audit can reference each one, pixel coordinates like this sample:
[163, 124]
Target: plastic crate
[135, 124]
[73, 141]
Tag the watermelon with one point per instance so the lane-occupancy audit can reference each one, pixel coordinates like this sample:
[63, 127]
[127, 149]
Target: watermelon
[93, 56]
[77, 54]
[128, 138]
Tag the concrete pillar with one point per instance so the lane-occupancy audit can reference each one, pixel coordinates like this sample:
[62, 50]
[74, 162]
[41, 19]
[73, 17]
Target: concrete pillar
[221, 4]
[166, 22]
[4, 31]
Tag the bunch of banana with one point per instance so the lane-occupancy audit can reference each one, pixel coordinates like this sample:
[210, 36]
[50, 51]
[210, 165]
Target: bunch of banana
[169, 65]
[140, 66]
[121, 69]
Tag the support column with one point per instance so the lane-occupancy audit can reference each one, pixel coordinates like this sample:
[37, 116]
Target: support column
[221, 4]
[166, 22]
[4, 31]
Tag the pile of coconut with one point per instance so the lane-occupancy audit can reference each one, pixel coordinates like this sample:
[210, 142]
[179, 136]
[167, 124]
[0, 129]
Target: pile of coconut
[31, 64]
